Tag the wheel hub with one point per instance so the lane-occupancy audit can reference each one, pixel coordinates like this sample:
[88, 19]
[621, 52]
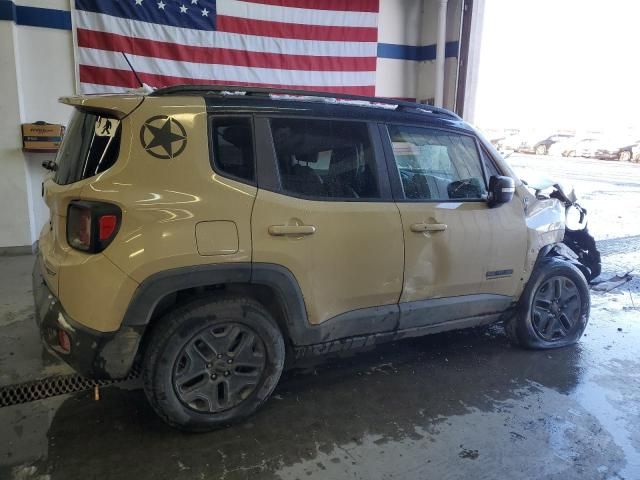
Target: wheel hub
[219, 367]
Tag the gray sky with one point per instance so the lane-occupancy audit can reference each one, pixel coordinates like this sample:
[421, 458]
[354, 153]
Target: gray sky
[560, 63]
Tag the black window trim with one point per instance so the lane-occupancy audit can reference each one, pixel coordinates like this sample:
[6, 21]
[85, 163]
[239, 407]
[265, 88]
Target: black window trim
[394, 175]
[99, 113]
[268, 171]
[486, 156]
[212, 160]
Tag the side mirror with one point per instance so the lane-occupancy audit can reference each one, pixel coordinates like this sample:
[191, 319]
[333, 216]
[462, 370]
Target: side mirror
[501, 190]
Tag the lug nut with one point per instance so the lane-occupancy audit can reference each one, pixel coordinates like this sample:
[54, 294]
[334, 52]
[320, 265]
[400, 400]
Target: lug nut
[209, 365]
[226, 374]
[213, 377]
[229, 361]
[219, 355]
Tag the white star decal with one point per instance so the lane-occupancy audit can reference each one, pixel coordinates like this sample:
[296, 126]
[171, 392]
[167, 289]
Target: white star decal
[205, 13]
[183, 9]
[194, 2]
[138, 2]
[161, 5]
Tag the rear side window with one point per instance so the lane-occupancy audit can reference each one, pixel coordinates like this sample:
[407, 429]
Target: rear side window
[325, 158]
[437, 165]
[232, 147]
[91, 145]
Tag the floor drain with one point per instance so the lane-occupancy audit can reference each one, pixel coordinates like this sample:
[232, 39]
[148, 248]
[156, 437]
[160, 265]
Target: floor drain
[51, 387]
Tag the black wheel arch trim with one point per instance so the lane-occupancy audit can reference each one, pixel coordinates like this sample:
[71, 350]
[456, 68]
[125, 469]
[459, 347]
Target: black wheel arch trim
[364, 321]
[157, 286]
[562, 251]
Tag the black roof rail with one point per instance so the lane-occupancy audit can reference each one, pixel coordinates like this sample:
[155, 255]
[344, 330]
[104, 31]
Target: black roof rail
[401, 105]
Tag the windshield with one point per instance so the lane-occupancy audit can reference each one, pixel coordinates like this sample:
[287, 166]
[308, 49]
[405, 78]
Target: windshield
[90, 146]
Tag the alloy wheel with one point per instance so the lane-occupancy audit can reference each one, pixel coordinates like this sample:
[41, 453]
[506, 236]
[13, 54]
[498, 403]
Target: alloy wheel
[556, 308]
[219, 367]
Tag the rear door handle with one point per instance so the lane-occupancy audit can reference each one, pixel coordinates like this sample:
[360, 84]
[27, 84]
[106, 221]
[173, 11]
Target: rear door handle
[293, 230]
[428, 227]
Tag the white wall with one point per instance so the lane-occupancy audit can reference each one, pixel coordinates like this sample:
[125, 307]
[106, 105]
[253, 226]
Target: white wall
[36, 67]
[414, 23]
[14, 199]
[45, 72]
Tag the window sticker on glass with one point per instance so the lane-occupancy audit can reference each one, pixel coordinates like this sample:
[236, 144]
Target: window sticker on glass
[106, 127]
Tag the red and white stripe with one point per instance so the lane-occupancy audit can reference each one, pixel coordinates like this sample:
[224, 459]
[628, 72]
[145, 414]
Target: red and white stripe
[327, 45]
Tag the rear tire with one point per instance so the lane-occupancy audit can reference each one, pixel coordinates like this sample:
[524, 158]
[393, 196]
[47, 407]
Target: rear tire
[554, 308]
[212, 362]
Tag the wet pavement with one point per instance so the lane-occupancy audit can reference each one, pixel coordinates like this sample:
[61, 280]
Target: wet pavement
[456, 405]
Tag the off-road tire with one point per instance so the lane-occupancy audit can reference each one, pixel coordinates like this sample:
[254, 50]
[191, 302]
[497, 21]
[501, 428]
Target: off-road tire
[177, 328]
[520, 328]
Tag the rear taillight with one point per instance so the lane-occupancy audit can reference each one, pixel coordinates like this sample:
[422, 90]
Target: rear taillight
[91, 226]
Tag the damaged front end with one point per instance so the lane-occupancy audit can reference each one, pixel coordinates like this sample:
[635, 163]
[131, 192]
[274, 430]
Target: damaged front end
[578, 245]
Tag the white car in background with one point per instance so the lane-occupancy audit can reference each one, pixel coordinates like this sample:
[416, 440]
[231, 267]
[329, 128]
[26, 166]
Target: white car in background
[574, 147]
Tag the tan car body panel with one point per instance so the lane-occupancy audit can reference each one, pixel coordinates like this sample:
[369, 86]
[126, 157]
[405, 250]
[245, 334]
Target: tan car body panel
[545, 221]
[95, 291]
[455, 261]
[353, 260]
[118, 105]
[166, 199]
[162, 202]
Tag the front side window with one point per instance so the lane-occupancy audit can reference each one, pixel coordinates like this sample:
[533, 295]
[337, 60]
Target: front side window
[325, 158]
[437, 165]
[232, 147]
[91, 145]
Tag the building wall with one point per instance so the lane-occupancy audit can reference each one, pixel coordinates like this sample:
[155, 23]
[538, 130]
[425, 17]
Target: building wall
[36, 67]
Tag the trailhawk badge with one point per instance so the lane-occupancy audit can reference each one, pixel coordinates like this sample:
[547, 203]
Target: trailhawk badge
[163, 137]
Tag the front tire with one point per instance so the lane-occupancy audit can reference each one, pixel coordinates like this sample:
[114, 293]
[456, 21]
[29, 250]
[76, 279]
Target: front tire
[554, 307]
[212, 363]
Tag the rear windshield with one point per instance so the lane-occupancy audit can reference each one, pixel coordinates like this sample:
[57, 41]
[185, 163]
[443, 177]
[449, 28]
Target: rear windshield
[90, 146]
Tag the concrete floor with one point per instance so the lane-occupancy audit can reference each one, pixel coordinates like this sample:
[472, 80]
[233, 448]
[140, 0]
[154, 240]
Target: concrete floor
[455, 405]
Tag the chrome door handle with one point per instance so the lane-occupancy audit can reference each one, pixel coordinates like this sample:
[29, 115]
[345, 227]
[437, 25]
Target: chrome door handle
[293, 230]
[428, 227]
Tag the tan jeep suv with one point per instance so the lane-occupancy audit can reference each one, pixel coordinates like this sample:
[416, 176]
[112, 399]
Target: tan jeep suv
[210, 233]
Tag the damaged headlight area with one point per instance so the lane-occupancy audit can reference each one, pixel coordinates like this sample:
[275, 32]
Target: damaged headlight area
[578, 244]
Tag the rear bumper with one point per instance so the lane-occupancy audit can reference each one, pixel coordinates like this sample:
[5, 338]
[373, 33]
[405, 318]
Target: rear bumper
[93, 354]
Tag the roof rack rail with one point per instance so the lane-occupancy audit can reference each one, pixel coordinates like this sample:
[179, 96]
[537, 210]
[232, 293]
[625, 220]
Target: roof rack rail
[401, 105]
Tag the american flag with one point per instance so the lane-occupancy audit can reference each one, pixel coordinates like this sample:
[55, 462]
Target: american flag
[323, 45]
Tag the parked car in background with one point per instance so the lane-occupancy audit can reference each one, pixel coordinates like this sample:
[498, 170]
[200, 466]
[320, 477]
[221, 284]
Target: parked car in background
[534, 143]
[620, 149]
[563, 146]
[579, 148]
[497, 136]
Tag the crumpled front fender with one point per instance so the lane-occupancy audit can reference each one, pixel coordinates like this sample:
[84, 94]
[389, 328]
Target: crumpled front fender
[545, 223]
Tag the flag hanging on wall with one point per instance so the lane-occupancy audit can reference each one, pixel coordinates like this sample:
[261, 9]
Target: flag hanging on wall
[325, 45]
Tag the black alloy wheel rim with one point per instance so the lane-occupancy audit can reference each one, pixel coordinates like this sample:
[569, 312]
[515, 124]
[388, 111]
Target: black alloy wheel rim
[557, 308]
[219, 367]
